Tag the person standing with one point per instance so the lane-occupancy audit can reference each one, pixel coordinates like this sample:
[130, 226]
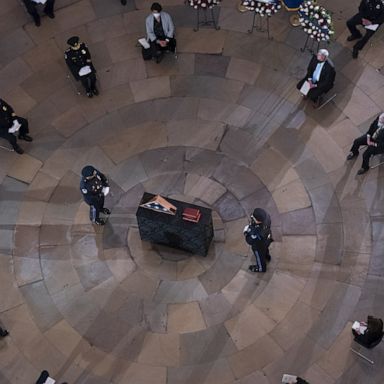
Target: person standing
[94, 186]
[259, 236]
[160, 32]
[32, 10]
[373, 139]
[10, 124]
[370, 16]
[80, 64]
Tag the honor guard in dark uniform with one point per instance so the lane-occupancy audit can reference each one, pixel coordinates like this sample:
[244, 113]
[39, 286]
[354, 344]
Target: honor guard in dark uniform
[371, 16]
[259, 236]
[123, 2]
[80, 64]
[31, 9]
[94, 186]
[11, 125]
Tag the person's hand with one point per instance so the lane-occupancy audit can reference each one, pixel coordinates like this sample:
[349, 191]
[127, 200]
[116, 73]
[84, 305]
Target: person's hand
[163, 43]
[89, 60]
[366, 22]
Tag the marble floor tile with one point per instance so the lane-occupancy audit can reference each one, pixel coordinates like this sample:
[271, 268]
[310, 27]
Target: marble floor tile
[185, 318]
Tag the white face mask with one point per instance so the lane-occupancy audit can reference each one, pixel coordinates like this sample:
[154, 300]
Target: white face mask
[156, 15]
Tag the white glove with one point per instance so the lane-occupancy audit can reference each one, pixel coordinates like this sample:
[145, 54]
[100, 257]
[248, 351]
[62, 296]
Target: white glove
[245, 230]
[105, 191]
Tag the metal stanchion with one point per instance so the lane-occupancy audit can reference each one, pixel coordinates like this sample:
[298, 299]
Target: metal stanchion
[207, 21]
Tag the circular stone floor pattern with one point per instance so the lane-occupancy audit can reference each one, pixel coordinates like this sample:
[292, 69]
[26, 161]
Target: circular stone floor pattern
[222, 126]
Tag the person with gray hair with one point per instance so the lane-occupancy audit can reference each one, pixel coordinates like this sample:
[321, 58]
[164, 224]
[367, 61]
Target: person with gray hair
[373, 139]
[320, 76]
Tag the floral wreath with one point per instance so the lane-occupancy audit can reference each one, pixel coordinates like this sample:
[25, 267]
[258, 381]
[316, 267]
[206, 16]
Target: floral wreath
[205, 4]
[316, 21]
[263, 8]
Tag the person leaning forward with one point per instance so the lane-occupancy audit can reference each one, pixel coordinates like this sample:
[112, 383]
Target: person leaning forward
[373, 139]
[12, 125]
[160, 32]
[80, 64]
[370, 16]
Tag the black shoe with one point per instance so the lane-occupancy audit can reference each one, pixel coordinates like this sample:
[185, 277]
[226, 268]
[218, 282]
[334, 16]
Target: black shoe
[316, 103]
[89, 94]
[353, 37]
[18, 149]
[37, 23]
[100, 222]
[4, 333]
[95, 91]
[355, 53]
[268, 258]
[123, 2]
[159, 58]
[106, 211]
[25, 137]
[352, 155]
[361, 171]
[254, 268]
[51, 15]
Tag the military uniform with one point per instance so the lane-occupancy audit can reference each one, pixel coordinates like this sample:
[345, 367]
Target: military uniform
[259, 236]
[31, 9]
[7, 117]
[92, 186]
[372, 10]
[77, 59]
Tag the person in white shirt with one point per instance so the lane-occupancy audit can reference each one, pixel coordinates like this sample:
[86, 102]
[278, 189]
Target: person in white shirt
[32, 10]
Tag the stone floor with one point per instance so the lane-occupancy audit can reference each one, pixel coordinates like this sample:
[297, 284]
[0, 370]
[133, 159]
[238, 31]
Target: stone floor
[223, 126]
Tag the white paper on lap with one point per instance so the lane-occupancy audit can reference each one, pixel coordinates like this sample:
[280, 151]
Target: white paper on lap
[50, 381]
[85, 70]
[372, 27]
[105, 191]
[15, 127]
[144, 43]
[287, 379]
[305, 88]
[39, 1]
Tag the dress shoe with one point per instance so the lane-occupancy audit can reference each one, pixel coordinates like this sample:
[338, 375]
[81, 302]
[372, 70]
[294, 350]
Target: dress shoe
[353, 37]
[361, 171]
[18, 149]
[89, 94]
[123, 2]
[95, 91]
[352, 155]
[37, 23]
[355, 53]
[25, 137]
[316, 104]
[4, 333]
[100, 222]
[51, 15]
[106, 211]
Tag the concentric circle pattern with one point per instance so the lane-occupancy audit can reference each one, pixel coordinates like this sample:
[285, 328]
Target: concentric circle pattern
[221, 126]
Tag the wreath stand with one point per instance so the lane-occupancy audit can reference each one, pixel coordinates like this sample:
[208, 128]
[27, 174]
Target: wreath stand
[207, 21]
[258, 25]
[310, 44]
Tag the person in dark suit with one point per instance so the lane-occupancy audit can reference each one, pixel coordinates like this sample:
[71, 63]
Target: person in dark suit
[320, 75]
[80, 64]
[31, 9]
[123, 2]
[374, 139]
[8, 127]
[373, 333]
[371, 13]
[259, 236]
[94, 186]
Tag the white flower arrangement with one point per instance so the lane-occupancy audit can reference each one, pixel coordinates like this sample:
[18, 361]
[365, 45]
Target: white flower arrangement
[261, 7]
[316, 21]
[205, 4]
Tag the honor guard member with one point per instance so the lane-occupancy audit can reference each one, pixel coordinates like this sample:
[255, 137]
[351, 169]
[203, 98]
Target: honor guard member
[370, 16]
[31, 9]
[123, 2]
[94, 186]
[259, 236]
[80, 64]
[11, 125]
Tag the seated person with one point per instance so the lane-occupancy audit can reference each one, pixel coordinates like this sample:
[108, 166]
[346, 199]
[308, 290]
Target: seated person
[10, 124]
[368, 334]
[160, 32]
[80, 64]
[320, 76]
[31, 9]
[374, 139]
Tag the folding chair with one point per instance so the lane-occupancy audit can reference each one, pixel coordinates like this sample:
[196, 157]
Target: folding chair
[381, 160]
[372, 345]
[6, 147]
[73, 85]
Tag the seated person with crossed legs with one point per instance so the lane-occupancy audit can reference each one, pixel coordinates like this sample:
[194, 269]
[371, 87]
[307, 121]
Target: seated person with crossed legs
[320, 77]
[374, 139]
[160, 32]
